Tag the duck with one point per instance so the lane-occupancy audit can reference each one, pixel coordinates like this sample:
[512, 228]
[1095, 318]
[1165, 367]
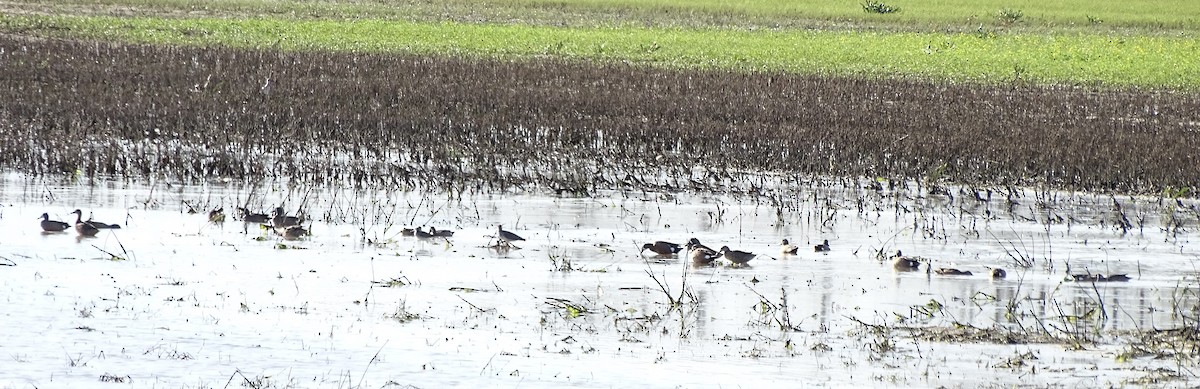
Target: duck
[506, 237]
[946, 271]
[252, 217]
[82, 227]
[903, 263]
[1086, 278]
[998, 273]
[788, 248]
[823, 247]
[662, 248]
[217, 215]
[408, 231]
[1117, 278]
[422, 234]
[279, 218]
[441, 233]
[695, 243]
[292, 232]
[100, 225]
[702, 256]
[53, 225]
[736, 257]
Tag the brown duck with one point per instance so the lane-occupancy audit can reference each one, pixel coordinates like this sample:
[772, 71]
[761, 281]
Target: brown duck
[788, 248]
[903, 263]
[82, 227]
[702, 256]
[946, 271]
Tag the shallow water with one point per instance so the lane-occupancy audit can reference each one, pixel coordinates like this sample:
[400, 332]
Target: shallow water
[195, 304]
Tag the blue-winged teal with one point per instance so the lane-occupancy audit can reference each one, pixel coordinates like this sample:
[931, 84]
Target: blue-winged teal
[903, 263]
[700, 255]
[788, 248]
[252, 217]
[82, 227]
[217, 215]
[280, 219]
[1085, 278]
[100, 225]
[946, 271]
[736, 257]
[441, 233]
[695, 243]
[1098, 278]
[999, 273]
[420, 234]
[292, 232]
[662, 248]
[823, 247]
[53, 225]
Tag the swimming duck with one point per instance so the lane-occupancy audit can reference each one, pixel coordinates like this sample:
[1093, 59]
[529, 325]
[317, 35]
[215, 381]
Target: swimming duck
[702, 256]
[1085, 278]
[292, 232]
[662, 248]
[823, 247]
[736, 257]
[945, 271]
[53, 225]
[441, 233]
[217, 215]
[903, 263]
[82, 227]
[788, 248]
[100, 225]
[999, 273]
[252, 217]
[1117, 278]
[422, 234]
[280, 219]
[695, 243]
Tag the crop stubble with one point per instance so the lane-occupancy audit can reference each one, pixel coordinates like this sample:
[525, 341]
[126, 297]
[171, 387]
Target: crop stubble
[130, 110]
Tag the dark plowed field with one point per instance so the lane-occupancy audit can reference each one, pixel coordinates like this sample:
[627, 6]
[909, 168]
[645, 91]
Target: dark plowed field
[395, 120]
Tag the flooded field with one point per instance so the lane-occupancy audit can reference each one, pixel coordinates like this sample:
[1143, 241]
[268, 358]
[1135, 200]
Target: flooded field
[171, 300]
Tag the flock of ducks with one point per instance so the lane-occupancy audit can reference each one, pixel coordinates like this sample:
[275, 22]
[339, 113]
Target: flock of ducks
[901, 262]
[286, 226]
[504, 239]
[702, 255]
[87, 227]
[290, 227]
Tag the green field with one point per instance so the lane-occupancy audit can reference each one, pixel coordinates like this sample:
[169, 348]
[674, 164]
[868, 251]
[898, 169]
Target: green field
[1169, 17]
[1079, 59]
[1140, 43]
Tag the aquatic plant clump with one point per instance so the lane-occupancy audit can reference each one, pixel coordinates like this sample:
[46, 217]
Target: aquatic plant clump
[95, 109]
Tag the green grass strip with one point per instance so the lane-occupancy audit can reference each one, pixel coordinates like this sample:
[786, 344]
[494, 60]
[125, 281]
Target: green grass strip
[1142, 14]
[1091, 60]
